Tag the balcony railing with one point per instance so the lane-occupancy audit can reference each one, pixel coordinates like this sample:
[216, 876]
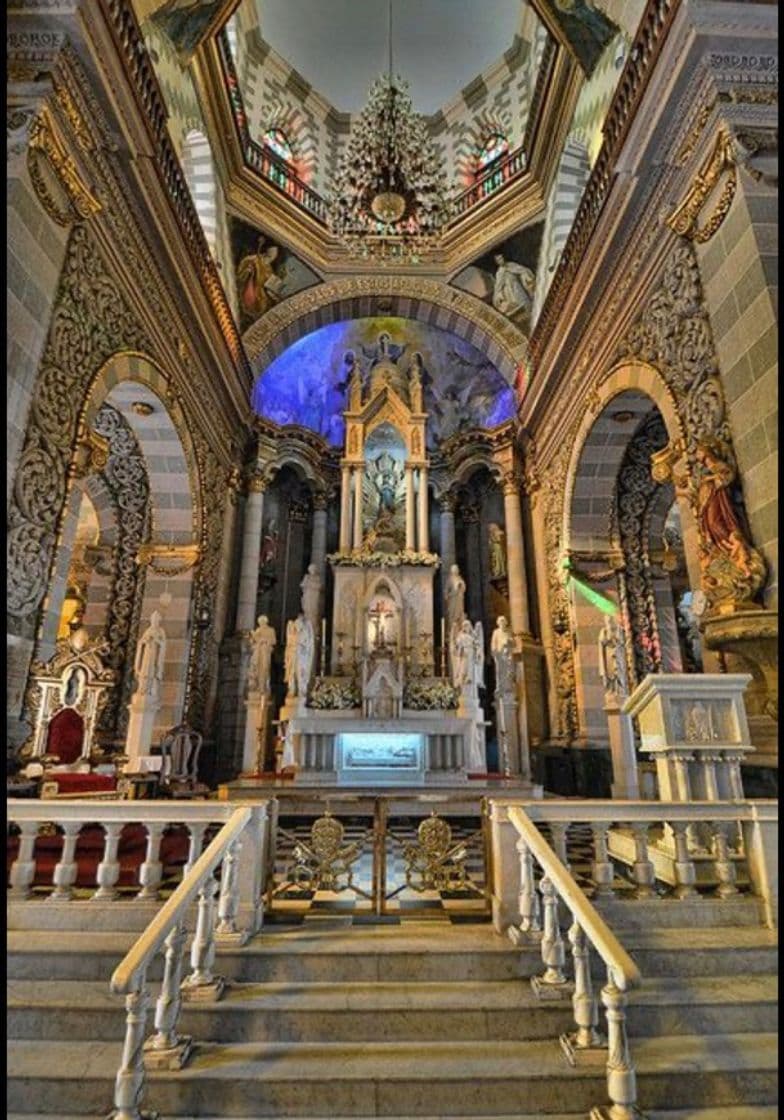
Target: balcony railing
[266, 163]
[495, 176]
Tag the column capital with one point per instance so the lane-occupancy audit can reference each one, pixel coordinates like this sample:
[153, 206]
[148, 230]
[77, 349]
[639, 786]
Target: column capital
[321, 499]
[511, 483]
[447, 502]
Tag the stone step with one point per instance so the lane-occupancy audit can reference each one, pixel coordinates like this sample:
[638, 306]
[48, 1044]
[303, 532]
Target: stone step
[624, 914]
[478, 1079]
[429, 952]
[741, 1112]
[381, 1011]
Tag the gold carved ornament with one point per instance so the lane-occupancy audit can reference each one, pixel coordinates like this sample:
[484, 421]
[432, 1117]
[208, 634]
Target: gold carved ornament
[169, 559]
[47, 150]
[720, 164]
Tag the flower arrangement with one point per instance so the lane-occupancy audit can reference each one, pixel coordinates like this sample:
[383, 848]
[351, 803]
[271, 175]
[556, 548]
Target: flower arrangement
[423, 696]
[368, 558]
[329, 694]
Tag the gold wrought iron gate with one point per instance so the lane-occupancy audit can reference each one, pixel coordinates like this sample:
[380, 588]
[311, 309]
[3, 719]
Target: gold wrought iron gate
[386, 855]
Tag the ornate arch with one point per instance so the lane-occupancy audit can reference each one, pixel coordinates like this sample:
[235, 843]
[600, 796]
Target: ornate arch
[427, 301]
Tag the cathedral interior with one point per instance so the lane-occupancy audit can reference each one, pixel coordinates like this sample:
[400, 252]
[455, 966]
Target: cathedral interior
[392, 544]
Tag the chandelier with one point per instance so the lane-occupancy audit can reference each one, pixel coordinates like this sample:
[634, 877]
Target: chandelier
[389, 201]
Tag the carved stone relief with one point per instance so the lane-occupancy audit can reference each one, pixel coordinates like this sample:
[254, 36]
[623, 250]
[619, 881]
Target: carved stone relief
[634, 490]
[125, 474]
[674, 335]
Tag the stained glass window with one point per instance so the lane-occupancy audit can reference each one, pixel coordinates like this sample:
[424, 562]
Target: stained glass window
[277, 140]
[495, 146]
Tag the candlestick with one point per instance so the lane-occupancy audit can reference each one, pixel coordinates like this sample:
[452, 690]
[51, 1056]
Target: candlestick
[323, 647]
[443, 647]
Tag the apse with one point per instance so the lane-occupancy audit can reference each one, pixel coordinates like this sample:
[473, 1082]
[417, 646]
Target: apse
[306, 384]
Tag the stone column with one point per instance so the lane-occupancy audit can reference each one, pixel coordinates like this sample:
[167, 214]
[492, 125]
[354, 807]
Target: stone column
[251, 546]
[410, 512]
[447, 527]
[345, 509]
[358, 477]
[543, 598]
[318, 548]
[423, 543]
[515, 559]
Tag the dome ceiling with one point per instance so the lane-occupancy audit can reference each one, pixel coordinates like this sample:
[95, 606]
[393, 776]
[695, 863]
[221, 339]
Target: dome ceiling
[340, 46]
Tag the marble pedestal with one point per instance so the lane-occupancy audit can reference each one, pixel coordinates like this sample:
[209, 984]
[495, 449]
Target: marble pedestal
[625, 784]
[257, 723]
[141, 725]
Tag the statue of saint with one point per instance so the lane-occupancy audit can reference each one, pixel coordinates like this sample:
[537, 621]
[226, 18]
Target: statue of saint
[415, 373]
[150, 654]
[612, 657]
[262, 642]
[497, 544]
[718, 519]
[354, 377]
[513, 288]
[311, 596]
[455, 600]
[298, 658]
[468, 660]
[502, 650]
[385, 479]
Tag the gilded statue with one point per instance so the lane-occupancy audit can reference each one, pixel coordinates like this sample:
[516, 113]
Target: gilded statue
[732, 568]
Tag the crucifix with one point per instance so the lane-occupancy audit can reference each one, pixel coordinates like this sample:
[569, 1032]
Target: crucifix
[377, 615]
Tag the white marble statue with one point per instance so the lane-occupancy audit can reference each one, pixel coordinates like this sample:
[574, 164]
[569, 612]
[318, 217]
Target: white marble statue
[612, 657]
[150, 655]
[455, 600]
[497, 547]
[311, 596]
[513, 287]
[502, 651]
[298, 659]
[468, 660]
[262, 643]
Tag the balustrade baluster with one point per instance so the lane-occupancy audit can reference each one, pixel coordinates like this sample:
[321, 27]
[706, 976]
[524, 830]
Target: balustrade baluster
[725, 868]
[586, 1008]
[151, 870]
[229, 901]
[195, 845]
[108, 871]
[621, 1077]
[23, 868]
[685, 871]
[553, 981]
[558, 832]
[201, 984]
[64, 875]
[530, 922]
[643, 869]
[602, 870]
[129, 1083]
[166, 1049]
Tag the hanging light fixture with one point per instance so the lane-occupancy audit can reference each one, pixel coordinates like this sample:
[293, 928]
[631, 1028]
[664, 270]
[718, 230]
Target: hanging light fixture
[389, 201]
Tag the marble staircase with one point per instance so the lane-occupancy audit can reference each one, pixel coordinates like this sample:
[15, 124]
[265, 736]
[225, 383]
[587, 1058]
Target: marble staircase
[423, 1019]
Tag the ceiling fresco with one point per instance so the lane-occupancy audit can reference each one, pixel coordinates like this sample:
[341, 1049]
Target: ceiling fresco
[307, 384]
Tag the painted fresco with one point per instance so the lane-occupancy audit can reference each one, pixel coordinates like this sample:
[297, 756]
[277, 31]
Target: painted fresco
[186, 23]
[307, 383]
[587, 28]
[265, 272]
[505, 277]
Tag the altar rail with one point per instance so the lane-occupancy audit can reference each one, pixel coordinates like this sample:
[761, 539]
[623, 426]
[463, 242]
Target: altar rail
[518, 839]
[72, 819]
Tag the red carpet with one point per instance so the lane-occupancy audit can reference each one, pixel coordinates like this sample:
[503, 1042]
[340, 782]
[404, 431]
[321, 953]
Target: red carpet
[89, 851]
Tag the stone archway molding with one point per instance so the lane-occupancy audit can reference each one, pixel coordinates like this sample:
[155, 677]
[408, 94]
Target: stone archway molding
[426, 301]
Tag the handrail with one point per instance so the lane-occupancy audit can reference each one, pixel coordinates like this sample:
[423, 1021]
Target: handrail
[171, 913]
[625, 972]
[622, 812]
[89, 812]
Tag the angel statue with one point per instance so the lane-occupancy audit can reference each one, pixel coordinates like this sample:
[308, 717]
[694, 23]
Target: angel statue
[298, 658]
[468, 660]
